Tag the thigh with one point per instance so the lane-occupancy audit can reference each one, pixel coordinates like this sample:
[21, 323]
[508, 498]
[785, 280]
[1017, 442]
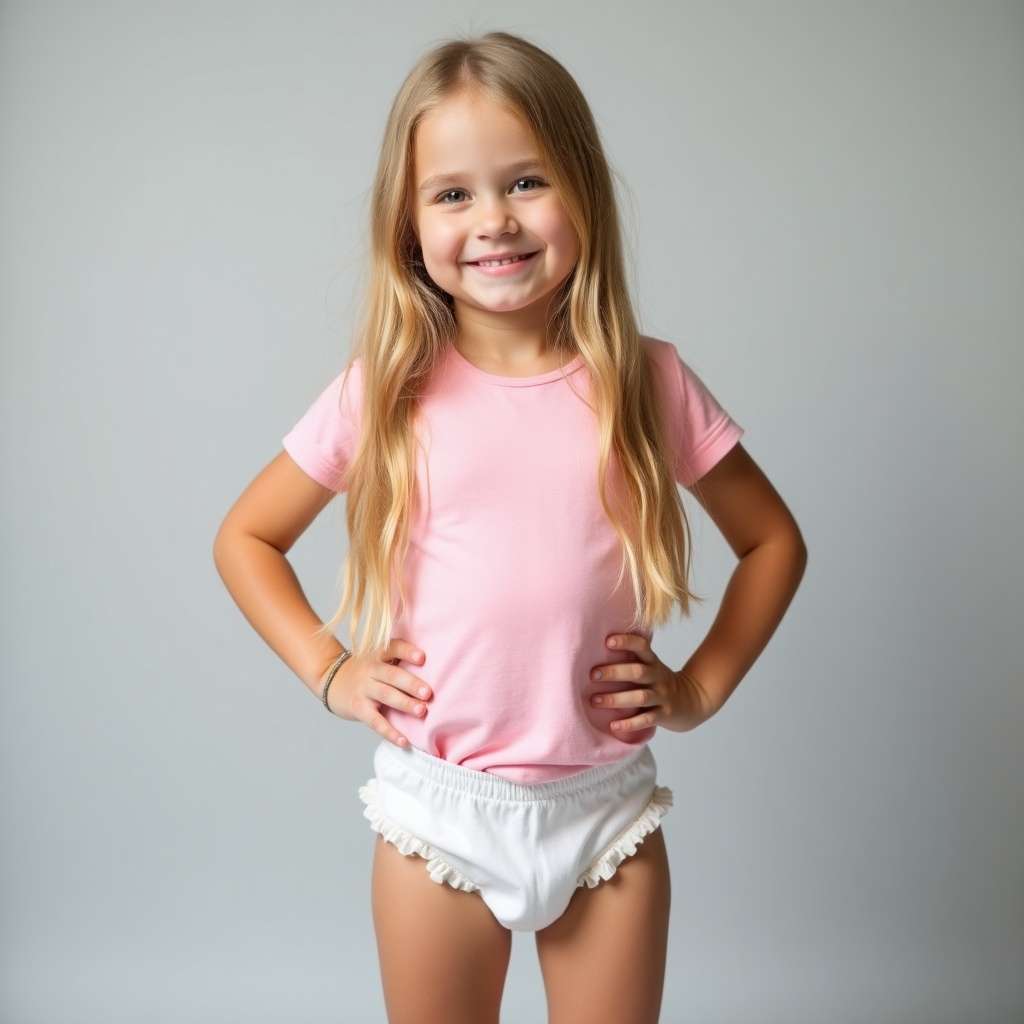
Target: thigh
[443, 956]
[603, 960]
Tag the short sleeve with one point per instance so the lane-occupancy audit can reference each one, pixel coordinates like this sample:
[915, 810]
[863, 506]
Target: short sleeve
[324, 441]
[700, 431]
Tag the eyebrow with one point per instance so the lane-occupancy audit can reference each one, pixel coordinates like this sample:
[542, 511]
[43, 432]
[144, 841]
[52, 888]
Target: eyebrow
[438, 181]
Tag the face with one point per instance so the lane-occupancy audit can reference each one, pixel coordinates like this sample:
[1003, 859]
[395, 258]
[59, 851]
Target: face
[493, 232]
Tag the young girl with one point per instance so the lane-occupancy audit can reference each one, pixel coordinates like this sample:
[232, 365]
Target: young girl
[510, 447]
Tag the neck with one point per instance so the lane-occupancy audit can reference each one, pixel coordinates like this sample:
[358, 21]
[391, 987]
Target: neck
[513, 344]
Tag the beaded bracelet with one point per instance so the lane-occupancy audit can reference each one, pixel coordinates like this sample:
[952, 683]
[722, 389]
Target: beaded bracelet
[330, 676]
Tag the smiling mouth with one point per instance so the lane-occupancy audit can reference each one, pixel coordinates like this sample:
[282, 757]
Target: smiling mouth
[503, 262]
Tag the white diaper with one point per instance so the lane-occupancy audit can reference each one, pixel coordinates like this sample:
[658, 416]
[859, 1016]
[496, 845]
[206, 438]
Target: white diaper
[525, 848]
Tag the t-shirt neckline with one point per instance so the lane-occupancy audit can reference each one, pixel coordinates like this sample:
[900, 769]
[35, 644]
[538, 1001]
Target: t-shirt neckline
[458, 359]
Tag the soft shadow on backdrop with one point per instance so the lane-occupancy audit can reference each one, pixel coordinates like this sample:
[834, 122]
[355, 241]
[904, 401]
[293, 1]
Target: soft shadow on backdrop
[827, 210]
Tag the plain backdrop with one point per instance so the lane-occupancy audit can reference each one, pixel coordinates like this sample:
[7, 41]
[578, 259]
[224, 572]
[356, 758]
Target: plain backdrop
[825, 205]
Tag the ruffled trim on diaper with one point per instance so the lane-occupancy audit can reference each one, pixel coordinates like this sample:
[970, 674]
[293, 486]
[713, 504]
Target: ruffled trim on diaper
[625, 846]
[440, 870]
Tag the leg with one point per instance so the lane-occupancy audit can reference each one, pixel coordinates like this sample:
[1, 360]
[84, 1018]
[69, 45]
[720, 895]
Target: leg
[443, 956]
[603, 960]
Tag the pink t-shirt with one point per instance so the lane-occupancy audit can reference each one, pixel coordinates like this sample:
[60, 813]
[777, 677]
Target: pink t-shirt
[512, 567]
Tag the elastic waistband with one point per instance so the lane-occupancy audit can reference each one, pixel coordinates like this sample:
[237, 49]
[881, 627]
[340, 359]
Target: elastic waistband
[467, 780]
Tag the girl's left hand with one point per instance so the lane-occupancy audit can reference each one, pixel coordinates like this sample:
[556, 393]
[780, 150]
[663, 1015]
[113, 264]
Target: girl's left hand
[672, 700]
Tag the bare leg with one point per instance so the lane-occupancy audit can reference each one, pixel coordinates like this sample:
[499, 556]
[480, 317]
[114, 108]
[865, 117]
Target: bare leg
[603, 960]
[443, 956]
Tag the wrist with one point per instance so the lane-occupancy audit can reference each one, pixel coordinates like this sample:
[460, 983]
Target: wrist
[699, 698]
[329, 675]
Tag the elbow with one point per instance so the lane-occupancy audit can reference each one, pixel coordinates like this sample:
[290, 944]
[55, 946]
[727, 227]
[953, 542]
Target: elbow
[222, 548]
[218, 552]
[798, 553]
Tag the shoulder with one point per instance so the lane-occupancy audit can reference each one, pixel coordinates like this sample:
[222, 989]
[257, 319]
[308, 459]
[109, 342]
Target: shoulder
[343, 397]
[699, 429]
[324, 440]
[350, 381]
[667, 370]
[661, 355]
[657, 349]
[674, 381]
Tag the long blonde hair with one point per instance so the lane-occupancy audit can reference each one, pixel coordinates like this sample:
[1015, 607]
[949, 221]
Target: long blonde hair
[409, 322]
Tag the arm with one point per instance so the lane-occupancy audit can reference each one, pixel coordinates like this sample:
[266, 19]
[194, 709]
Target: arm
[250, 549]
[759, 528]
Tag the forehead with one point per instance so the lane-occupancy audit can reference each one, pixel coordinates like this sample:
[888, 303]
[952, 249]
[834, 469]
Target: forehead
[470, 129]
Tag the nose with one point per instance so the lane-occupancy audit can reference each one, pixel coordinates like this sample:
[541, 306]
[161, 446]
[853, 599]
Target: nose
[494, 218]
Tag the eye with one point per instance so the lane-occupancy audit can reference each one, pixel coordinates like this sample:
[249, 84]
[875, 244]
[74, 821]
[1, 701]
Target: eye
[453, 195]
[527, 185]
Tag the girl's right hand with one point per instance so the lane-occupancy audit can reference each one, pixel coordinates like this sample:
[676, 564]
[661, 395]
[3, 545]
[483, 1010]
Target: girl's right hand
[362, 685]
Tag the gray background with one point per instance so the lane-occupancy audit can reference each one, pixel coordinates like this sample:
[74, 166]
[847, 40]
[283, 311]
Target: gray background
[826, 202]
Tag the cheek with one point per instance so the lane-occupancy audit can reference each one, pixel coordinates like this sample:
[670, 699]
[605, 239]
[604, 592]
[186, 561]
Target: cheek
[558, 230]
[438, 240]
[563, 236]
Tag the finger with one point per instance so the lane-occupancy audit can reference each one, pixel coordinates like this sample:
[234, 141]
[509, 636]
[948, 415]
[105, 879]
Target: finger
[636, 722]
[402, 650]
[379, 724]
[620, 672]
[625, 699]
[399, 678]
[633, 642]
[394, 697]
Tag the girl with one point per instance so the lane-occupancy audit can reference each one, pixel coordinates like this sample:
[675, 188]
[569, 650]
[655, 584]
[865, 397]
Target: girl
[510, 447]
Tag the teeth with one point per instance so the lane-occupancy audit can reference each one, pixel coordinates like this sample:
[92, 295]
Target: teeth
[501, 263]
